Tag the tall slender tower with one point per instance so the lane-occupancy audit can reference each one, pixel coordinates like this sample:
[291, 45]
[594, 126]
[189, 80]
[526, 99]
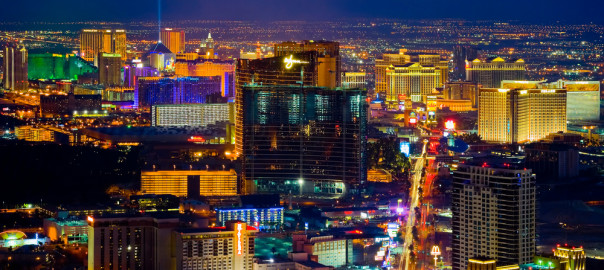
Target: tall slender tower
[15, 67]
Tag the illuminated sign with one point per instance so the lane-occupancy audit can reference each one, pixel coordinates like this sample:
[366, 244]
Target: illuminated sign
[450, 125]
[90, 219]
[289, 62]
[405, 148]
[196, 139]
[413, 121]
[239, 228]
[392, 229]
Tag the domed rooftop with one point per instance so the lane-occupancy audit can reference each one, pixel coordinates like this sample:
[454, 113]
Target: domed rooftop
[12, 235]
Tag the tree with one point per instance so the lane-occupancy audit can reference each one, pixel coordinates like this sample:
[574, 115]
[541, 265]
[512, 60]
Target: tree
[472, 138]
[385, 154]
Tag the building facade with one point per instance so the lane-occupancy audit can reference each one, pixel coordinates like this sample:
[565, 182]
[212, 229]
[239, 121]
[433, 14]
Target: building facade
[329, 61]
[15, 68]
[270, 218]
[218, 248]
[381, 64]
[272, 71]
[303, 140]
[518, 116]
[110, 69]
[125, 242]
[211, 67]
[151, 91]
[461, 91]
[189, 183]
[95, 41]
[354, 80]
[461, 54]
[411, 80]
[491, 72]
[195, 115]
[174, 39]
[493, 214]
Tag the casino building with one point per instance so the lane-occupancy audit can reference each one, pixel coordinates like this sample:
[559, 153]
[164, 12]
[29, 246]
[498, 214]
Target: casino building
[302, 140]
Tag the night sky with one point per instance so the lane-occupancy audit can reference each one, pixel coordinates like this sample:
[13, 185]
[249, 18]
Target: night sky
[535, 11]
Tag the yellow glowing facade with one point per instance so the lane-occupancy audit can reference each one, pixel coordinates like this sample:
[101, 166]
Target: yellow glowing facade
[173, 39]
[353, 80]
[93, 42]
[412, 81]
[387, 60]
[492, 72]
[574, 257]
[34, 134]
[519, 116]
[184, 183]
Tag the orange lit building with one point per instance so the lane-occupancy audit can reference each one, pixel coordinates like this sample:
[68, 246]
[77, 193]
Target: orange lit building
[93, 42]
[189, 183]
[174, 39]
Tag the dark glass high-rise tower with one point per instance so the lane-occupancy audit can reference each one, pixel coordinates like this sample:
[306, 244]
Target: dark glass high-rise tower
[303, 140]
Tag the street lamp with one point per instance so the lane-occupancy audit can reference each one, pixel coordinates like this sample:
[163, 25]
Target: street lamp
[301, 182]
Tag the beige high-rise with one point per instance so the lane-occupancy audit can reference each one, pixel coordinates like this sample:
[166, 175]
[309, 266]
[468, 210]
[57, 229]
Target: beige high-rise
[95, 41]
[519, 116]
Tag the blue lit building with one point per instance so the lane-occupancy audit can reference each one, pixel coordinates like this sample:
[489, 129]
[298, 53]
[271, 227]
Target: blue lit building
[151, 91]
[263, 218]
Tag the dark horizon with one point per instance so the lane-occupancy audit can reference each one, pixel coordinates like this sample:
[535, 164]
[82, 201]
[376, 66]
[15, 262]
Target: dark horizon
[535, 11]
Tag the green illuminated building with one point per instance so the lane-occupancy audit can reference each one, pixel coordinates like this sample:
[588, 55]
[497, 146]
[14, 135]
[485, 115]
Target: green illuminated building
[57, 67]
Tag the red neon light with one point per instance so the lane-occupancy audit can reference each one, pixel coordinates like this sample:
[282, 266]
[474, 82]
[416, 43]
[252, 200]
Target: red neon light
[196, 139]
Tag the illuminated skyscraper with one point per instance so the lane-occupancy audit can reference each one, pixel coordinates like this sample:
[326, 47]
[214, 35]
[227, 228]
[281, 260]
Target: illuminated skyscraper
[110, 69]
[490, 73]
[15, 67]
[329, 61]
[93, 42]
[272, 71]
[303, 140]
[174, 39]
[493, 213]
[518, 116]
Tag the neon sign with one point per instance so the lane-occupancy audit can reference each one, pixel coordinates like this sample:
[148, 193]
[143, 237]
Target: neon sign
[289, 62]
[239, 249]
[196, 139]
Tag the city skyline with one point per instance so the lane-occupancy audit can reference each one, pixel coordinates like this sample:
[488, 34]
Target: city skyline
[534, 11]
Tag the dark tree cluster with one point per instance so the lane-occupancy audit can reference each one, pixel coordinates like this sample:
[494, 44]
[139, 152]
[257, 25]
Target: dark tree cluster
[63, 174]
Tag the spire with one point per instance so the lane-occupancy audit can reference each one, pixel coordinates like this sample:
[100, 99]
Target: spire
[209, 35]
